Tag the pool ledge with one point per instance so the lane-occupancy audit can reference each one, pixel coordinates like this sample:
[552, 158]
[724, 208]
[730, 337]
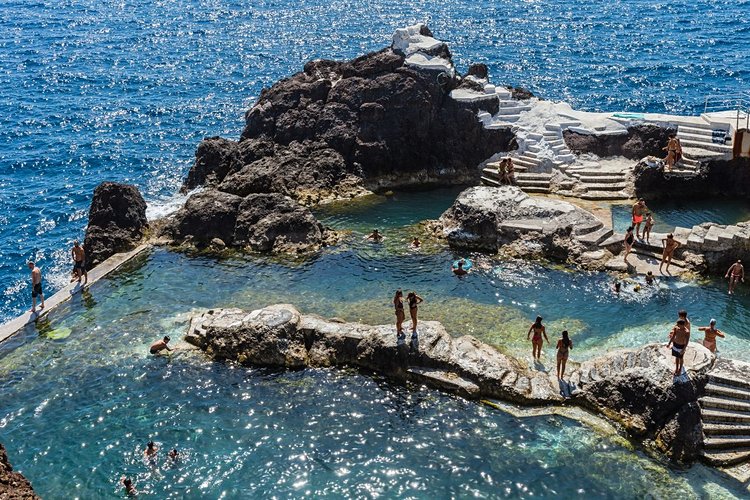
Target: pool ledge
[10, 328]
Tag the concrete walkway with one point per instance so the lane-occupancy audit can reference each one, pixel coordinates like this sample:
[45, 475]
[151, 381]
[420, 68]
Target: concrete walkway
[7, 330]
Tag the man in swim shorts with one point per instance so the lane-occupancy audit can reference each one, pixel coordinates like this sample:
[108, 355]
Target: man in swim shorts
[678, 341]
[639, 210]
[735, 273]
[36, 286]
[709, 342]
[79, 262]
[160, 345]
[670, 245]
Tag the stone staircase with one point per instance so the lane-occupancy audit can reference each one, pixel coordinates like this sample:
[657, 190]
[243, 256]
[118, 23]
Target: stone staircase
[602, 184]
[725, 413]
[700, 142]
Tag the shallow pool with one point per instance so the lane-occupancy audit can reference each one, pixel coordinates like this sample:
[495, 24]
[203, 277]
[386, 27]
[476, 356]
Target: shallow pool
[81, 397]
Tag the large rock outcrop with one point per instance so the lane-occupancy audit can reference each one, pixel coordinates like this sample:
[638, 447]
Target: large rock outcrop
[380, 121]
[258, 222]
[280, 336]
[714, 178]
[117, 221]
[13, 486]
[637, 142]
[638, 389]
[488, 218]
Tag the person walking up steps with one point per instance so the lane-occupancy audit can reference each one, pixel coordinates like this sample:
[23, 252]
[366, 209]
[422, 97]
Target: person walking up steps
[36, 286]
[564, 345]
[536, 341]
[735, 273]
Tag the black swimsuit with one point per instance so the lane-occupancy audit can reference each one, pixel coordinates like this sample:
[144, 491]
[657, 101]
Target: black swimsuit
[413, 303]
[630, 239]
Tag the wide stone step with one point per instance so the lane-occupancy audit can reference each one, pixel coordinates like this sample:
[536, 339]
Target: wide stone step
[596, 179]
[720, 148]
[552, 127]
[724, 403]
[524, 183]
[726, 429]
[708, 138]
[726, 457]
[526, 159]
[508, 118]
[596, 237]
[726, 442]
[718, 415]
[606, 187]
[604, 195]
[487, 181]
[533, 176]
[522, 225]
[534, 189]
[588, 228]
[597, 173]
[715, 378]
[515, 110]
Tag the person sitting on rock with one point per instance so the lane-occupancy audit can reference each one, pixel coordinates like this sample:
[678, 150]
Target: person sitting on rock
[735, 273]
[670, 245]
[679, 338]
[501, 170]
[510, 172]
[709, 342]
[458, 268]
[375, 236]
[160, 345]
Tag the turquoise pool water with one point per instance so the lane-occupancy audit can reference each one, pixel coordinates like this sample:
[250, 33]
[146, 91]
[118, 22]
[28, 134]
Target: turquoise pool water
[688, 213]
[81, 397]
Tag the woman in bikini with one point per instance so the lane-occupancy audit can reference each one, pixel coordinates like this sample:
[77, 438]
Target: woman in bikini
[673, 147]
[711, 333]
[398, 304]
[629, 240]
[735, 273]
[414, 301]
[564, 345]
[536, 341]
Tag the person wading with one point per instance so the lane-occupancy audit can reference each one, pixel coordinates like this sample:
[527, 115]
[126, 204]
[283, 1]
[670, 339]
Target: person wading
[735, 273]
[709, 342]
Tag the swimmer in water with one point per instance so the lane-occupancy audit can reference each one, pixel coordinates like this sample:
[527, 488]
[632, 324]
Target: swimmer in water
[709, 342]
[127, 483]
[735, 273]
[649, 278]
[617, 287]
[375, 236]
[173, 454]
[458, 268]
[415, 243]
[150, 450]
[160, 345]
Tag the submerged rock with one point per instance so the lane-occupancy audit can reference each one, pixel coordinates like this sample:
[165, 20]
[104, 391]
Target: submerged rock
[13, 486]
[117, 221]
[492, 218]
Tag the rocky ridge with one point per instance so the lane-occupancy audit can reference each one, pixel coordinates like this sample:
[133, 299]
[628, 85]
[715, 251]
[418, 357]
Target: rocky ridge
[635, 388]
[13, 486]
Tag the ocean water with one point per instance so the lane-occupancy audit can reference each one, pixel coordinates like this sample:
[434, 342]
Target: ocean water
[124, 91]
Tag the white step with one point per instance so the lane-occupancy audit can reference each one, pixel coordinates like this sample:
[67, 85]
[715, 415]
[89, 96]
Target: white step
[720, 148]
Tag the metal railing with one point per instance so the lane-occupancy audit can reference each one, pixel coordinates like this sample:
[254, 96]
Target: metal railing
[738, 103]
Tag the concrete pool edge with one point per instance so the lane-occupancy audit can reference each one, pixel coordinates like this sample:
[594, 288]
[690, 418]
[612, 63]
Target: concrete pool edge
[12, 327]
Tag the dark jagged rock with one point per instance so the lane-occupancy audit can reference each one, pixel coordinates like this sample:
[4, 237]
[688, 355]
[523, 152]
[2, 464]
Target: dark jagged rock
[13, 486]
[639, 141]
[520, 93]
[715, 178]
[335, 129]
[478, 70]
[259, 222]
[117, 221]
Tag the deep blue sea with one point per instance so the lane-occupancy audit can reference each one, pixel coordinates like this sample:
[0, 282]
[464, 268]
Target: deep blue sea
[125, 90]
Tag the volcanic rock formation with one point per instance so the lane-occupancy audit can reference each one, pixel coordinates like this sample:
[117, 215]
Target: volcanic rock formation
[13, 486]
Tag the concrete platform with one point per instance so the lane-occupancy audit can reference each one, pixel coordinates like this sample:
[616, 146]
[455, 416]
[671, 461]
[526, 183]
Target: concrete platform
[13, 326]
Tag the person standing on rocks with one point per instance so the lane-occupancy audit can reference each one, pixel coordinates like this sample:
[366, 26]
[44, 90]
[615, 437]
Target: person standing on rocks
[678, 341]
[398, 304]
[647, 226]
[735, 273]
[628, 241]
[673, 148]
[36, 286]
[670, 245]
[709, 342]
[414, 301]
[564, 345]
[79, 263]
[536, 341]
[639, 210]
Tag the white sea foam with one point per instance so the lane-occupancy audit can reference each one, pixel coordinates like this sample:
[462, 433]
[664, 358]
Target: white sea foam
[162, 207]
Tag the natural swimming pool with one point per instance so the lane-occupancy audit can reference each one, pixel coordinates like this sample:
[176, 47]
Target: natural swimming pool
[83, 397]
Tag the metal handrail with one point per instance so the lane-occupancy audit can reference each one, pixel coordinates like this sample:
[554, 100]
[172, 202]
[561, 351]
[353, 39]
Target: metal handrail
[739, 102]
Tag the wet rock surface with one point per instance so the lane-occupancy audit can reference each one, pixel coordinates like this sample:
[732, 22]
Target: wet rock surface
[493, 218]
[13, 486]
[117, 221]
[639, 141]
